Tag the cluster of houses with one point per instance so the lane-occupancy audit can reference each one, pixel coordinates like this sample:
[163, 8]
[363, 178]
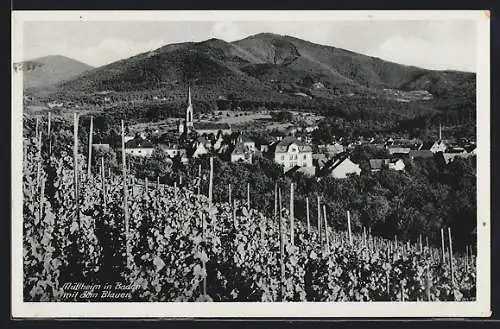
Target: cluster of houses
[293, 154]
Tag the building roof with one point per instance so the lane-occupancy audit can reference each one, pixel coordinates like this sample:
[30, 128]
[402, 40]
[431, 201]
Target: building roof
[239, 148]
[138, 143]
[448, 157]
[308, 171]
[206, 125]
[400, 150]
[377, 164]
[283, 145]
[421, 154]
[164, 146]
[203, 140]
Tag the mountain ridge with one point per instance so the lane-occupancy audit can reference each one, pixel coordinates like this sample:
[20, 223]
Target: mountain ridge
[262, 67]
[49, 70]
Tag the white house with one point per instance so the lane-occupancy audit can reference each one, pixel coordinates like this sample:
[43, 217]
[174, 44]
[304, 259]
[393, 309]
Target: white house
[247, 142]
[241, 153]
[291, 152]
[202, 147]
[396, 164]
[172, 150]
[436, 147]
[139, 147]
[344, 167]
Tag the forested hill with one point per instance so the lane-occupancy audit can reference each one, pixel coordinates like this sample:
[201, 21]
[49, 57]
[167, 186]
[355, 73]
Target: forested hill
[49, 70]
[265, 67]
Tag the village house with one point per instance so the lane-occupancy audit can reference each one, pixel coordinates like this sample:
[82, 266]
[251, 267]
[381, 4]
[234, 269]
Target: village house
[426, 154]
[319, 160]
[241, 153]
[290, 152]
[434, 147]
[396, 164]
[378, 164]
[247, 142]
[449, 157]
[392, 164]
[398, 150]
[172, 150]
[202, 146]
[341, 167]
[139, 147]
[211, 128]
[104, 148]
[331, 149]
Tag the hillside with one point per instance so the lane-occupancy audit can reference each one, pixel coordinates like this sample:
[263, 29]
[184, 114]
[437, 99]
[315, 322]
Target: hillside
[50, 70]
[275, 70]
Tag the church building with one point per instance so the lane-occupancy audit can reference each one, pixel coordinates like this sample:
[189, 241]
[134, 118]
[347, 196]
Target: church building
[201, 127]
[187, 125]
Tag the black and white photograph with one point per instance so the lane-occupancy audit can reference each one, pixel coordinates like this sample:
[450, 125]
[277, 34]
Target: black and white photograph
[291, 164]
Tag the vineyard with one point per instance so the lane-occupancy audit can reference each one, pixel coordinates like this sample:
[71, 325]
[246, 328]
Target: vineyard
[173, 243]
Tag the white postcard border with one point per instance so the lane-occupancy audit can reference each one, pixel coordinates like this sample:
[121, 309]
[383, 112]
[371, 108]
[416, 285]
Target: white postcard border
[479, 308]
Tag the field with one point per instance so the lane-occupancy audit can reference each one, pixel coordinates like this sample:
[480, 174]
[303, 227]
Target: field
[173, 243]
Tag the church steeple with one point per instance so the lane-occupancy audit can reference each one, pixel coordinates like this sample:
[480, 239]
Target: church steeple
[189, 111]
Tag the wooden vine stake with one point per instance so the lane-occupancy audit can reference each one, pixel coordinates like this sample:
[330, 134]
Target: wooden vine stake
[199, 179]
[75, 166]
[146, 185]
[327, 238]
[307, 217]
[36, 126]
[402, 292]
[211, 182]
[442, 246]
[210, 199]
[276, 202]
[319, 221]
[230, 194]
[89, 165]
[125, 196]
[387, 284]
[364, 237]
[42, 193]
[466, 258]
[451, 257]
[428, 283]
[349, 226]
[103, 182]
[292, 224]
[234, 214]
[39, 160]
[48, 133]
[420, 242]
[248, 196]
[282, 250]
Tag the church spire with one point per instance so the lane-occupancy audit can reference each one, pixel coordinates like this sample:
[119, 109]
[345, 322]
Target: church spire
[189, 111]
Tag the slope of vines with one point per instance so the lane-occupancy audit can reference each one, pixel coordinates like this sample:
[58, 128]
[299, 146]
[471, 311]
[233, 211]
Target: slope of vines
[182, 248]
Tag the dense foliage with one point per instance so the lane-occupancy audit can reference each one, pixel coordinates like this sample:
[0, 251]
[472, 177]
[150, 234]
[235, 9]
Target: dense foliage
[179, 246]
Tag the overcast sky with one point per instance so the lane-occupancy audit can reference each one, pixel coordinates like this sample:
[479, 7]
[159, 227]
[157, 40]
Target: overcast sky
[438, 45]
